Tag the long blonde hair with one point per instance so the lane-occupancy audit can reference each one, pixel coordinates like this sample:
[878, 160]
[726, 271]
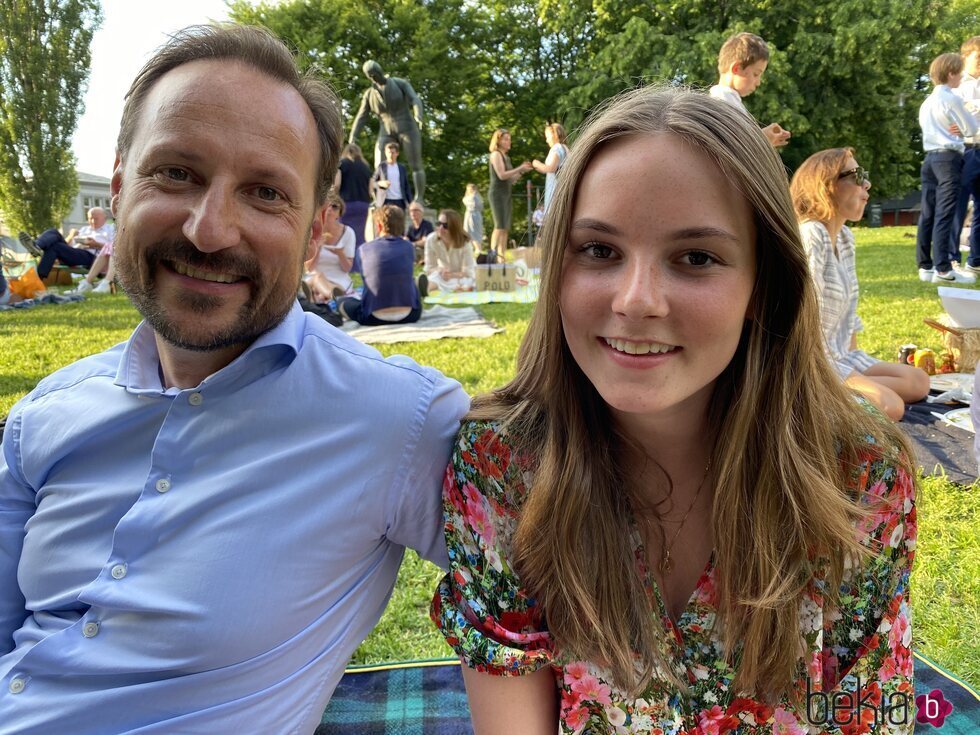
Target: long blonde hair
[782, 421]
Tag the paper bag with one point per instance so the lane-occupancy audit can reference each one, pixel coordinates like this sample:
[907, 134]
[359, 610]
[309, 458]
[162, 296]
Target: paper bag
[496, 277]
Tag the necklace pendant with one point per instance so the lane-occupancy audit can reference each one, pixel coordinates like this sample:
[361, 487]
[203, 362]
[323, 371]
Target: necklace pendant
[665, 565]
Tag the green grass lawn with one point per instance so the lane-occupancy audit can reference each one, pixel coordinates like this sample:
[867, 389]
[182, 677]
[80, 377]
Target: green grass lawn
[946, 579]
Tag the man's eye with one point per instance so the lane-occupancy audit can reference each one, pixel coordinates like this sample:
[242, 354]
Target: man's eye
[176, 174]
[267, 194]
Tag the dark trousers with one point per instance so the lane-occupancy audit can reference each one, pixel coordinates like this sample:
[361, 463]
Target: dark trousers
[355, 217]
[969, 186]
[940, 190]
[55, 248]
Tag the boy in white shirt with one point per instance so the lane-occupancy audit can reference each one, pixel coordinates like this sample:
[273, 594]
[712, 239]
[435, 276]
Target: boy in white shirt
[941, 170]
[969, 92]
[741, 63]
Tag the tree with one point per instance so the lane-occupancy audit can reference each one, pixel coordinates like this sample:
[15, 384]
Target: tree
[841, 73]
[45, 52]
[476, 67]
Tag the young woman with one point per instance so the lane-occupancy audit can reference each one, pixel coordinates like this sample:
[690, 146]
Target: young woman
[555, 136]
[502, 178]
[675, 518]
[328, 271]
[829, 189]
[356, 187]
[449, 263]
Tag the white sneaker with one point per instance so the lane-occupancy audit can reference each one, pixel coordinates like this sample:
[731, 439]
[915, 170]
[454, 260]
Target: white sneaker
[926, 274]
[952, 276]
[104, 287]
[83, 286]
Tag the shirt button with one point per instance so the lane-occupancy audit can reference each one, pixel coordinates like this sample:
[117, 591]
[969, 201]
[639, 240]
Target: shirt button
[17, 685]
[90, 630]
[163, 484]
[195, 399]
[119, 571]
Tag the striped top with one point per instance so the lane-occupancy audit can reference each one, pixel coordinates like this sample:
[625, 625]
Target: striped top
[835, 276]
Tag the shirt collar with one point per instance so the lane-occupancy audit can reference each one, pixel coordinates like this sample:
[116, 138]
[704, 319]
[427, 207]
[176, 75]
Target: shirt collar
[139, 365]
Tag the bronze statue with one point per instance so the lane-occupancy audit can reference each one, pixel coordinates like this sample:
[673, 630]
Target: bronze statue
[399, 112]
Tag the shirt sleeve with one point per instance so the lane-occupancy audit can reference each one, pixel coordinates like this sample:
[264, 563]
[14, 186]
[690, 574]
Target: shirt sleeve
[817, 247]
[413, 516]
[867, 641]
[17, 501]
[848, 241]
[491, 622]
[348, 242]
[960, 115]
[432, 260]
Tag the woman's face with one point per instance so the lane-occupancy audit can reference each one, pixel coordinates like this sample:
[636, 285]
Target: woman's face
[549, 136]
[503, 143]
[657, 276]
[332, 214]
[442, 228]
[850, 198]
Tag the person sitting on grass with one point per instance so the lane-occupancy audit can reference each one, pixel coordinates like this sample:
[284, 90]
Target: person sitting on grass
[327, 272]
[675, 518]
[387, 265]
[829, 189]
[449, 263]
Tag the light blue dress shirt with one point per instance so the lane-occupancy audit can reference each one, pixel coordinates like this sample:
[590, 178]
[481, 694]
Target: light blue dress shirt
[206, 560]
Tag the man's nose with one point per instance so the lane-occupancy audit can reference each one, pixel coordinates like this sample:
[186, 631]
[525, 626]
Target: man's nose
[213, 222]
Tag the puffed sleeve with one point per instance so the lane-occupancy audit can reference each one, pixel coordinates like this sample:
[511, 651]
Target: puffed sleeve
[480, 607]
[867, 641]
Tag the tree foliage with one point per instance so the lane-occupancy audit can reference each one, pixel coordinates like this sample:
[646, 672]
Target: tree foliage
[841, 73]
[44, 64]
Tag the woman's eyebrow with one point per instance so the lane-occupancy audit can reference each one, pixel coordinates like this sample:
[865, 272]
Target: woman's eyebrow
[587, 223]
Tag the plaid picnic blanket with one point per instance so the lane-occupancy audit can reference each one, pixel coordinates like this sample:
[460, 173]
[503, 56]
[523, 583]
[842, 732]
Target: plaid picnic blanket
[428, 698]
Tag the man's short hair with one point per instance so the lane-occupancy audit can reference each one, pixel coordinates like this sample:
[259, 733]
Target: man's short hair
[743, 49]
[944, 66]
[970, 46]
[254, 47]
[392, 144]
[390, 219]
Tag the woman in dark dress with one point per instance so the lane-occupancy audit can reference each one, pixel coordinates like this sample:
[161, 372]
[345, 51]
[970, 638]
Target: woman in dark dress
[502, 178]
[355, 187]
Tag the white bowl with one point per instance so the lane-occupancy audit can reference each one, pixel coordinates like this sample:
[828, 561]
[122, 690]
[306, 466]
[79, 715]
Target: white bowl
[962, 305]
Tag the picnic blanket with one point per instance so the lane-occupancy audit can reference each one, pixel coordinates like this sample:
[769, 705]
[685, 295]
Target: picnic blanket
[428, 698]
[435, 323]
[940, 449]
[46, 298]
[521, 295]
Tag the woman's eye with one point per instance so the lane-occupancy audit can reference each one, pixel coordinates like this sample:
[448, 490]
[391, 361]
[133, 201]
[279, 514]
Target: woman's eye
[597, 250]
[699, 257]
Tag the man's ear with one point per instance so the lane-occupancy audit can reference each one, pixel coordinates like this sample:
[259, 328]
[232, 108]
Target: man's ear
[115, 184]
[316, 230]
[736, 68]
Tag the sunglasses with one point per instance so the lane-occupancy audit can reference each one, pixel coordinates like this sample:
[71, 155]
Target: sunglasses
[440, 223]
[860, 175]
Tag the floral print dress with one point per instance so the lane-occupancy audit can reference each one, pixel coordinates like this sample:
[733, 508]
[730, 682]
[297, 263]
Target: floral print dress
[858, 663]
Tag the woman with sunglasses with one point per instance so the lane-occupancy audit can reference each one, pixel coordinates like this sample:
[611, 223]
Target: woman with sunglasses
[829, 189]
[328, 271]
[449, 263]
[675, 518]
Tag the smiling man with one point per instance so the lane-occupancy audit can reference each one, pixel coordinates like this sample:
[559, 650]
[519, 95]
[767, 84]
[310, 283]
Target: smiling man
[198, 526]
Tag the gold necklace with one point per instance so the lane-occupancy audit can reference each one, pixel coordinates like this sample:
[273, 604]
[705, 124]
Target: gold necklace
[666, 566]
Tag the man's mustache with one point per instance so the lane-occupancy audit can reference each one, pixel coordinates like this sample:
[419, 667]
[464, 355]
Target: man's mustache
[182, 251]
